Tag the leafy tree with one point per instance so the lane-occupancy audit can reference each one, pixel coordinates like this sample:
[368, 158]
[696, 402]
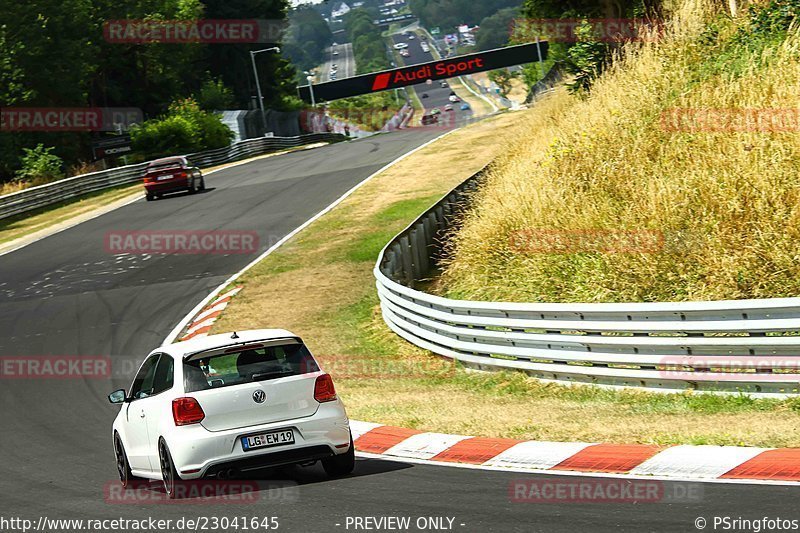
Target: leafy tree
[448, 14]
[588, 57]
[369, 49]
[54, 54]
[39, 164]
[215, 96]
[185, 128]
[502, 78]
[231, 62]
[494, 30]
[306, 38]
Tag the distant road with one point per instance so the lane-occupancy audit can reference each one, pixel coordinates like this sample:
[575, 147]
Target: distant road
[345, 61]
[431, 95]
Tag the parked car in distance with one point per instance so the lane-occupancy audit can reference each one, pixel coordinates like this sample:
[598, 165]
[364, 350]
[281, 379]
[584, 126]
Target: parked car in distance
[171, 174]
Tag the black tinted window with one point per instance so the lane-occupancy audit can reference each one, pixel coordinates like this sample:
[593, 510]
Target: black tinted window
[258, 364]
[143, 382]
[165, 372]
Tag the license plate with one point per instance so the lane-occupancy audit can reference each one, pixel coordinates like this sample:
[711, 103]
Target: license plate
[265, 440]
[165, 177]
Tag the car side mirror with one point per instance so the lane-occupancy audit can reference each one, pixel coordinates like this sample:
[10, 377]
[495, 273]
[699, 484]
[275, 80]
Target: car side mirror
[118, 396]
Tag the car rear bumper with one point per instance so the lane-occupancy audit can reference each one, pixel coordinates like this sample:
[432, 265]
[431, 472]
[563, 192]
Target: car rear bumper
[198, 452]
[223, 469]
[167, 186]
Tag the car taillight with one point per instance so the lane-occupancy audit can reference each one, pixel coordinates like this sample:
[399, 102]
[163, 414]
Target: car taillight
[148, 179]
[186, 411]
[324, 390]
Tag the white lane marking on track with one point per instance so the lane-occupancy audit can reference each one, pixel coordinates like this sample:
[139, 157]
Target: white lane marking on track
[229, 294]
[199, 325]
[535, 454]
[424, 445]
[696, 461]
[358, 428]
[213, 308]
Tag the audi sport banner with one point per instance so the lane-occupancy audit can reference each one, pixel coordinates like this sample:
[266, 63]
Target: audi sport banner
[435, 70]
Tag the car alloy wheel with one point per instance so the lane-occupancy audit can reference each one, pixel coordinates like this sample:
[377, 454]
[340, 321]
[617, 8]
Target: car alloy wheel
[123, 468]
[168, 474]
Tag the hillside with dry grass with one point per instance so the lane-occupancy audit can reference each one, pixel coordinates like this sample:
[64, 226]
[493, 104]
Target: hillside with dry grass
[676, 178]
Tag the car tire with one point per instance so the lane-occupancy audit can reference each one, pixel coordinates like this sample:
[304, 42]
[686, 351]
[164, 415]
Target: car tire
[123, 466]
[341, 465]
[149, 197]
[192, 186]
[169, 475]
[202, 183]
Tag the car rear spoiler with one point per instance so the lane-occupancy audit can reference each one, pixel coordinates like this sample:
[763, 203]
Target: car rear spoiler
[239, 346]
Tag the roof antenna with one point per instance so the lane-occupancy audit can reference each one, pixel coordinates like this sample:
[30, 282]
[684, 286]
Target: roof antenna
[234, 336]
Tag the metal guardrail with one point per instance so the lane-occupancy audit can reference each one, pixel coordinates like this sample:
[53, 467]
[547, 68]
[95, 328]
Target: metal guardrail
[553, 77]
[749, 346]
[48, 194]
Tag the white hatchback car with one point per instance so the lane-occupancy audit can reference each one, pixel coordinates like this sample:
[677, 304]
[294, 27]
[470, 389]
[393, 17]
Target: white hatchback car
[221, 405]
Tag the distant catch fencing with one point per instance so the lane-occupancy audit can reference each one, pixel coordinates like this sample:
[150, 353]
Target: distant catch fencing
[34, 198]
[748, 346]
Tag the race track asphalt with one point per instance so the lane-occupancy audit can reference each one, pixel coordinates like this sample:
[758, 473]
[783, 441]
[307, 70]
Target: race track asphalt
[69, 295]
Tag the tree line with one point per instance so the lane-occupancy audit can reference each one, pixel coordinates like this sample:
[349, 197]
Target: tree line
[54, 54]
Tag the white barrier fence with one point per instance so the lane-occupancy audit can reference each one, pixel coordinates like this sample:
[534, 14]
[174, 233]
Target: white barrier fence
[750, 346]
[48, 194]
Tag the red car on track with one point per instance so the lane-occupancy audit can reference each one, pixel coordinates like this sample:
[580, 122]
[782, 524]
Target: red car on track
[171, 174]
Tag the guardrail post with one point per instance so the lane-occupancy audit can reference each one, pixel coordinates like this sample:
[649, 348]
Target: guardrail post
[405, 254]
[416, 273]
